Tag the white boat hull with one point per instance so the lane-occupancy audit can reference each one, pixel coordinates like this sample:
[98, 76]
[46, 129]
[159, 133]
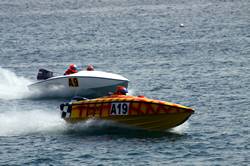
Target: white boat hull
[89, 84]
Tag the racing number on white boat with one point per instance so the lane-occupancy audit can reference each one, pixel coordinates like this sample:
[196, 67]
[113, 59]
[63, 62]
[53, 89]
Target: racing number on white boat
[119, 108]
[73, 82]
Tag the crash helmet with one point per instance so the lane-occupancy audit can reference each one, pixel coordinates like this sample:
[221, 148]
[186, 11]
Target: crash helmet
[121, 90]
[90, 67]
[73, 67]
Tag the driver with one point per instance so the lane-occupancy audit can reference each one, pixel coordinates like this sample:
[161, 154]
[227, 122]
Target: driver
[121, 90]
[71, 70]
[90, 67]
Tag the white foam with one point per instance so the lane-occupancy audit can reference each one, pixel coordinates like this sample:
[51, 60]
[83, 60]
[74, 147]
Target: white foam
[25, 122]
[12, 86]
[90, 123]
[130, 92]
[180, 129]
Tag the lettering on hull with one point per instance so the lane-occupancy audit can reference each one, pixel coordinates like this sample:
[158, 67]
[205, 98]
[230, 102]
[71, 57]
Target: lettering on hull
[73, 82]
[119, 108]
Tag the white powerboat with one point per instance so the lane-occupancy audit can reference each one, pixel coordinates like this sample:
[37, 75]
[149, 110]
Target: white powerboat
[89, 84]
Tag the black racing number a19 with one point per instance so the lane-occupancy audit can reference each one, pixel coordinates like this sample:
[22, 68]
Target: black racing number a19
[119, 109]
[73, 82]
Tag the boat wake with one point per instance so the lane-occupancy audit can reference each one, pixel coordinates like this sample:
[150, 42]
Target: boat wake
[13, 86]
[16, 123]
[16, 87]
[13, 123]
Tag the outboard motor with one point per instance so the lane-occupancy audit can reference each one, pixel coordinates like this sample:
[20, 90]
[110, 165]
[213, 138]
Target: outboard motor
[44, 74]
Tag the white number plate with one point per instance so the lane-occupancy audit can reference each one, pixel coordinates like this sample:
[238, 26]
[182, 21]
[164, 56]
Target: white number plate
[119, 109]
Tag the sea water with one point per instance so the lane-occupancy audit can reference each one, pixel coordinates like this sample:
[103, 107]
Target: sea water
[195, 53]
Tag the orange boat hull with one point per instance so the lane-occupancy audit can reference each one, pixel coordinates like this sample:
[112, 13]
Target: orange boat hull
[140, 112]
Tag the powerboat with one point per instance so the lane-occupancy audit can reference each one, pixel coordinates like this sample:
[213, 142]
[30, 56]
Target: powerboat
[137, 111]
[89, 84]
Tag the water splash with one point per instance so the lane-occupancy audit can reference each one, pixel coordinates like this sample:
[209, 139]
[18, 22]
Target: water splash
[14, 123]
[180, 129]
[12, 86]
[131, 92]
[92, 123]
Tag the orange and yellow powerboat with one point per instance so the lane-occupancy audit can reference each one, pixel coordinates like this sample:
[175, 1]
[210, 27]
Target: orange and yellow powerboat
[137, 111]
